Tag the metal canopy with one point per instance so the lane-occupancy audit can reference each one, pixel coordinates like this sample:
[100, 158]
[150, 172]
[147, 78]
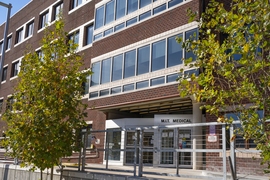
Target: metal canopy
[168, 106]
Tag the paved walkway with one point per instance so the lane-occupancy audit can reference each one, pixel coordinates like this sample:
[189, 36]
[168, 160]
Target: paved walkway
[158, 173]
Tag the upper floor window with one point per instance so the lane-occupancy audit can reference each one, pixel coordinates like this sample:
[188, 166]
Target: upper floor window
[89, 34]
[43, 19]
[19, 35]
[1, 47]
[29, 29]
[10, 102]
[132, 5]
[109, 14]
[99, 17]
[120, 9]
[15, 69]
[57, 9]
[75, 3]
[74, 37]
[9, 40]
[145, 3]
[1, 105]
[4, 73]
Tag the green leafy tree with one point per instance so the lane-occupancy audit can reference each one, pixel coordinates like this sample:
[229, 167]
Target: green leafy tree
[232, 54]
[47, 108]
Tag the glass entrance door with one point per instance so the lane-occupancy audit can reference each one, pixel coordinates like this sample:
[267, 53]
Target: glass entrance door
[167, 143]
[147, 144]
[185, 141]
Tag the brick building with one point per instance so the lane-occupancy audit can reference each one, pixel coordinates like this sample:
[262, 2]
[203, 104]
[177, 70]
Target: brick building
[130, 46]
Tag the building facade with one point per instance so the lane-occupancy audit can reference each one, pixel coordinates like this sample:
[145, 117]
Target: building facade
[131, 48]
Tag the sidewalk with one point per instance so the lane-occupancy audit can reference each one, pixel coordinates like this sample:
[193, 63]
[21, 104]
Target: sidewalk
[159, 173]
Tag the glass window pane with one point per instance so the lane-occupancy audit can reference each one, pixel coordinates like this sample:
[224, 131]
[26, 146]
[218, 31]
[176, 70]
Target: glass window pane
[175, 51]
[144, 15]
[93, 94]
[132, 6]
[190, 72]
[119, 26]
[128, 87]
[114, 139]
[174, 2]
[116, 90]
[131, 21]
[105, 71]
[158, 55]
[109, 12]
[89, 34]
[129, 64]
[142, 84]
[120, 8]
[157, 81]
[104, 92]
[143, 60]
[108, 31]
[193, 35]
[172, 78]
[159, 9]
[99, 17]
[144, 3]
[98, 36]
[117, 67]
[96, 74]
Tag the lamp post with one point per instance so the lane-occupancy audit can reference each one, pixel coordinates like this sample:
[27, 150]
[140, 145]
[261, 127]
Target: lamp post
[9, 6]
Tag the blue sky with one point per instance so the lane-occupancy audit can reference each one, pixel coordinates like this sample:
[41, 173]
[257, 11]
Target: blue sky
[16, 6]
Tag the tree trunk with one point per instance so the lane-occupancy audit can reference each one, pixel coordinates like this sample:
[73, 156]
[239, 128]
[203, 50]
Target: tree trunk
[41, 175]
[52, 173]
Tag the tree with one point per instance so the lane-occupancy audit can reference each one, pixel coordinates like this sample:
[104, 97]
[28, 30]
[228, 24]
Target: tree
[232, 54]
[47, 109]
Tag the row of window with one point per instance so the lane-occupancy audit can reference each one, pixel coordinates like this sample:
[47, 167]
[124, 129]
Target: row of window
[142, 84]
[116, 9]
[102, 15]
[15, 68]
[158, 55]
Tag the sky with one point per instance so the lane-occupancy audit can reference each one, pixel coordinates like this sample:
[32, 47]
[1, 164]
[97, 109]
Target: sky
[16, 6]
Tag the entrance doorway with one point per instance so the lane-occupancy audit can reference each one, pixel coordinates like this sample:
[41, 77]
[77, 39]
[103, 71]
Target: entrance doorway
[185, 141]
[147, 144]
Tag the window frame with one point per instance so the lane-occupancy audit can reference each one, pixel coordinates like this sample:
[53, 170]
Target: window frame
[29, 31]
[15, 68]
[43, 19]
[19, 35]
[57, 11]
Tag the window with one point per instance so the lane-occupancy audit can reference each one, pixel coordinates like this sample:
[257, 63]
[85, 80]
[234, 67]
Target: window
[128, 87]
[75, 38]
[1, 105]
[172, 78]
[43, 19]
[157, 81]
[85, 86]
[129, 64]
[104, 92]
[142, 84]
[193, 35]
[10, 102]
[114, 139]
[120, 9]
[93, 94]
[1, 47]
[29, 29]
[4, 74]
[119, 26]
[117, 67]
[75, 3]
[159, 9]
[96, 74]
[9, 40]
[158, 55]
[190, 72]
[57, 9]
[143, 60]
[116, 90]
[98, 36]
[131, 21]
[174, 52]
[132, 6]
[145, 3]
[109, 13]
[40, 55]
[15, 69]
[174, 2]
[19, 35]
[144, 15]
[89, 34]
[99, 19]
[108, 32]
[106, 71]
